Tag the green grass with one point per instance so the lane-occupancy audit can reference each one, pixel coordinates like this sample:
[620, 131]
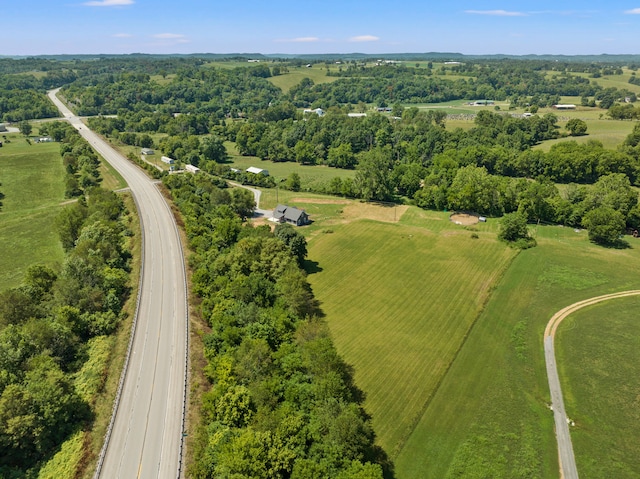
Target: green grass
[317, 73]
[447, 350]
[400, 299]
[310, 176]
[32, 178]
[598, 357]
[611, 133]
[489, 418]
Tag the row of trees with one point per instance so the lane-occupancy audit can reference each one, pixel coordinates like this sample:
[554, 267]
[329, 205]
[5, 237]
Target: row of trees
[48, 326]
[282, 403]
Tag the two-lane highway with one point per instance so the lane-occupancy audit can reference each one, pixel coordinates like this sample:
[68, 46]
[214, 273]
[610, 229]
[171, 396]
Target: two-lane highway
[145, 440]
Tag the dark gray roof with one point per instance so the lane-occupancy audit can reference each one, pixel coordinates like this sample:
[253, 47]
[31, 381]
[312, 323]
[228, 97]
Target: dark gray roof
[288, 212]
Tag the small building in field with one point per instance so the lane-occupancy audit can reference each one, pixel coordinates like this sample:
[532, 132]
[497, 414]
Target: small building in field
[192, 169]
[167, 160]
[44, 139]
[3, 127]
[291, 215]
[317, 111]
[147, 151]
[356, 115]
[564, 107]
[257, 171]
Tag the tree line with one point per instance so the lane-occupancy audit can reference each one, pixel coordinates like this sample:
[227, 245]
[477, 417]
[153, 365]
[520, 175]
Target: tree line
[55, 330]
[281, 402]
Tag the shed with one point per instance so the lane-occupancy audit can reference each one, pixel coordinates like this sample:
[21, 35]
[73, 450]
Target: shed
[147, 151]
[3, 127]
[257, 171]
[192, 169]
[167, 160]
[291, 215]
[564, 107]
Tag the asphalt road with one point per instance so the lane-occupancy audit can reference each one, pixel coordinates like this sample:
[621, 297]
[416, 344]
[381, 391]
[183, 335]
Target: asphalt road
[568, 469]
[146, 437]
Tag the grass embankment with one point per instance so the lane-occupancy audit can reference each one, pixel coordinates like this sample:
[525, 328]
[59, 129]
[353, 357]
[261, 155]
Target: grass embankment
[490, 416]
[598, 355]
[317, 73]
[32, 178]
[400, 299]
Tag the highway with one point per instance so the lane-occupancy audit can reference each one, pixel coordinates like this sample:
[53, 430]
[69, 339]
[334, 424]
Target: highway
[146, 435]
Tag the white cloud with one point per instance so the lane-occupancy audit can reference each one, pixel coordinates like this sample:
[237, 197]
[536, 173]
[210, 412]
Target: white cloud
[108, 3]
[497, 13]
[633, 11]
[121, 35]
[364, 38]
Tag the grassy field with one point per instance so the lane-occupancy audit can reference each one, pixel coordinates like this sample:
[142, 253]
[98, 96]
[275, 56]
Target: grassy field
[32, 178]
[310, 176]
[447, 349]
[400, 297]
[317, 73]
[598, 356]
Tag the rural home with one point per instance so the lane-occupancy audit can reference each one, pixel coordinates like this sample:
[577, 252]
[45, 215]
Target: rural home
[257, 171]
[291, 215]
[167, 160]
[192, 169]
[317, 111]
[147, 151]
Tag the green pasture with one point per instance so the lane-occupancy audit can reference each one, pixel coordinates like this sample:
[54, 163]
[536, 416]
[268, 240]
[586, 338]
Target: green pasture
[598, 357]
[317, 73]
[490, 416]
[32, 178]
[611, 133]
[444, 333]
[400, 299]
[310, 175]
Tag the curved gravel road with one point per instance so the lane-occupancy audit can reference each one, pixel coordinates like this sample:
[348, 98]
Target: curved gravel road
[568, 469]
[146, 435]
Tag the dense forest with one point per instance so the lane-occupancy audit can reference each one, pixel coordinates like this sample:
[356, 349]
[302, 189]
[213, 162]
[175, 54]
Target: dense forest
[55, 328]
[282, 403]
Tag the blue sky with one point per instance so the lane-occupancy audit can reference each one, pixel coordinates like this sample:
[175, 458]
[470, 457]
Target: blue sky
[314, 26]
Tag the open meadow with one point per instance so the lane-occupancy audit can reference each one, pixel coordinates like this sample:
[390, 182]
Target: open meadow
[598, 356]
[32, 178]
[445, 331]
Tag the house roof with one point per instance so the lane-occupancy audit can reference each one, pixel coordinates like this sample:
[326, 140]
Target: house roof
[290, 213]
[255, 170]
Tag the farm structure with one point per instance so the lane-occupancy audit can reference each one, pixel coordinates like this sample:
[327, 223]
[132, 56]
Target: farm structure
[564, 107]
[192, 169]
[257, 171]
[167, 160]
[147, 151]
[291, 215]
[317, 111]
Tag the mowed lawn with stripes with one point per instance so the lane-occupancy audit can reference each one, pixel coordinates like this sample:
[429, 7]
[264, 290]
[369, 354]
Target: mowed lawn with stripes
[400, 298]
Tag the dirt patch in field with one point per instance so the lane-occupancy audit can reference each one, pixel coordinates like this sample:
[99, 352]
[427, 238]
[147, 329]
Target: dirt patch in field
[320, 201]
[464, 219]
[374, 211]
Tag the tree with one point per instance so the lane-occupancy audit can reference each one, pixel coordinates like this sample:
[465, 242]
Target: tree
[513, 228]
[604, 224]
[242, 202]
[293, 239]
[373, 178]
[576, 127]
[293, 182]
[213, 148]
[25, 128]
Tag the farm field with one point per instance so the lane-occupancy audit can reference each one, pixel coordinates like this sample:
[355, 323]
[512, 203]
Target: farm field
[309, 174]
[490, 414]
[32, 178]
[598, 354]
[317, 73]
[444, 406]
[400, 298]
